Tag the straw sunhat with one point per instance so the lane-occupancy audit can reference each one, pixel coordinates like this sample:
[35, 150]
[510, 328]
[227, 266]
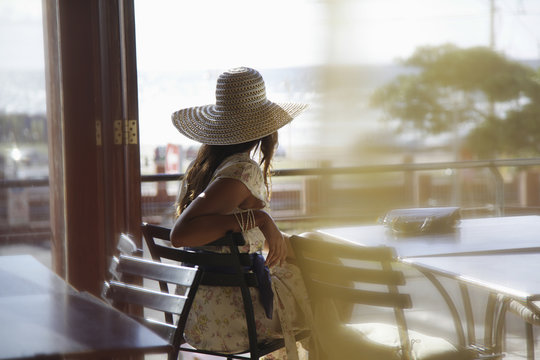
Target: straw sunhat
[241, 113]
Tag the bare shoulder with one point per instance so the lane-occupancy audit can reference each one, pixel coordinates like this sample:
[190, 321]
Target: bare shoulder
[220, 197]
[238, 190]
[228, 187]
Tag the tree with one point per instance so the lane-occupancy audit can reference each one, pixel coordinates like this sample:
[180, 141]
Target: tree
[493, 102]
[23, 128]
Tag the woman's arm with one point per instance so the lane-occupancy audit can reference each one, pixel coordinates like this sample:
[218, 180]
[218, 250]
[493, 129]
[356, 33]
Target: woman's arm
[209, 217]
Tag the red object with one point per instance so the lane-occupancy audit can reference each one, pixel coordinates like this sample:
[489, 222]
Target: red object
[172, 159]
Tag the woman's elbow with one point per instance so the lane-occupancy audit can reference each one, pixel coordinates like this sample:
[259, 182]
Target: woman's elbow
[177, 240]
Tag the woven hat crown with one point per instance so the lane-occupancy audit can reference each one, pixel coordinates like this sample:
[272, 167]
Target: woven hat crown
[241, 113]
[240, 88]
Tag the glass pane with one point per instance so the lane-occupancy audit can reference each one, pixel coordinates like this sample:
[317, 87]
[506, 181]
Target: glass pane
[344, 58]
[24, 195]
[182, 51]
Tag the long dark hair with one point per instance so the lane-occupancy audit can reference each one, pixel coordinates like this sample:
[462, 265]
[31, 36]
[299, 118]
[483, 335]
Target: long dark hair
[210, 157]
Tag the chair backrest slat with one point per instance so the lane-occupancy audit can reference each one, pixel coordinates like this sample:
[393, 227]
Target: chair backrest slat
[164, 330]
[131, 294]
[164, 249]
[351, 273]
[326, 249]
[360, 296]
[208, 258]
[179, 275]
[187, 256]
[221, 279]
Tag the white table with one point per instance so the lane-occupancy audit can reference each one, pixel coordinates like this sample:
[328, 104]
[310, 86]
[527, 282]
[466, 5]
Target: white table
[485, 235]
[500, 255]
[509, 278]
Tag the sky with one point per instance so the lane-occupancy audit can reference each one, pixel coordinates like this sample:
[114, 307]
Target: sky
[217, 33]
[21, 35]
[174, 35]
[279, 33]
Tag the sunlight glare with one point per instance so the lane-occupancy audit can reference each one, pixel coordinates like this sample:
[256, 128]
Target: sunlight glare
[214, 34]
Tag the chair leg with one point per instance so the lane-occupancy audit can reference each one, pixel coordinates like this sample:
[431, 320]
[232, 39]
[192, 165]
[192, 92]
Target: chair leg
[530, 341]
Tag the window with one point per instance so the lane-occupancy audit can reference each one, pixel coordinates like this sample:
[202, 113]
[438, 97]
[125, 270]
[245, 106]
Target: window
[334, 55]
[24, 198]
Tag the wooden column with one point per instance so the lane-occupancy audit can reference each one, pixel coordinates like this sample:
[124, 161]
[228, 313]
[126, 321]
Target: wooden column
[132, 161]
[93, 134]
[55, 119]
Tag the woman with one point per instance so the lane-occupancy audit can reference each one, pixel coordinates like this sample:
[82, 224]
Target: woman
[224, 190]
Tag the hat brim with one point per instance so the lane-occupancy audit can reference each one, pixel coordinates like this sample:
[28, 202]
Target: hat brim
[207, 125]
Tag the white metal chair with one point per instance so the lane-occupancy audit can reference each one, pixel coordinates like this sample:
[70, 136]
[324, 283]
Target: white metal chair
[196, 269]
[337, 274]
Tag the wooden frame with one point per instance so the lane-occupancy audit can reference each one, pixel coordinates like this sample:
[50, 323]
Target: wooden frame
[93, 133]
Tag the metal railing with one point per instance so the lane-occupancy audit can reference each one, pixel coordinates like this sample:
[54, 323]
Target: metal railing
[471, 164]
[329, 174]
[337, 191]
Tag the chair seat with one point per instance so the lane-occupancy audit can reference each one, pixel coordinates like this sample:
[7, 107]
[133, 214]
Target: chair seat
[424, 347]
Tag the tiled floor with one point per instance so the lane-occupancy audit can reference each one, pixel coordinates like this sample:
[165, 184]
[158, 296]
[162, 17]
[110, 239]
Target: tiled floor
[429, 315]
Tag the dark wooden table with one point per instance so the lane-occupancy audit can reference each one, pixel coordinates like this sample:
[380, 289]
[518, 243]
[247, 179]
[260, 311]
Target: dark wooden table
[42, 316]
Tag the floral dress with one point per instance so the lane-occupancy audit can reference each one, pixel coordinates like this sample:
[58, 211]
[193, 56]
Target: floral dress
[217, 321]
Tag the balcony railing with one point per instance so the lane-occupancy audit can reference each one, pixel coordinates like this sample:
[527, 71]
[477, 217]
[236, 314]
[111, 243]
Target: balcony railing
[363, 193]
[328, 194]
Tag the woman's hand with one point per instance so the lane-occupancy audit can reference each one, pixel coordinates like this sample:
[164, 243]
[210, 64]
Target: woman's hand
[277, 246]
